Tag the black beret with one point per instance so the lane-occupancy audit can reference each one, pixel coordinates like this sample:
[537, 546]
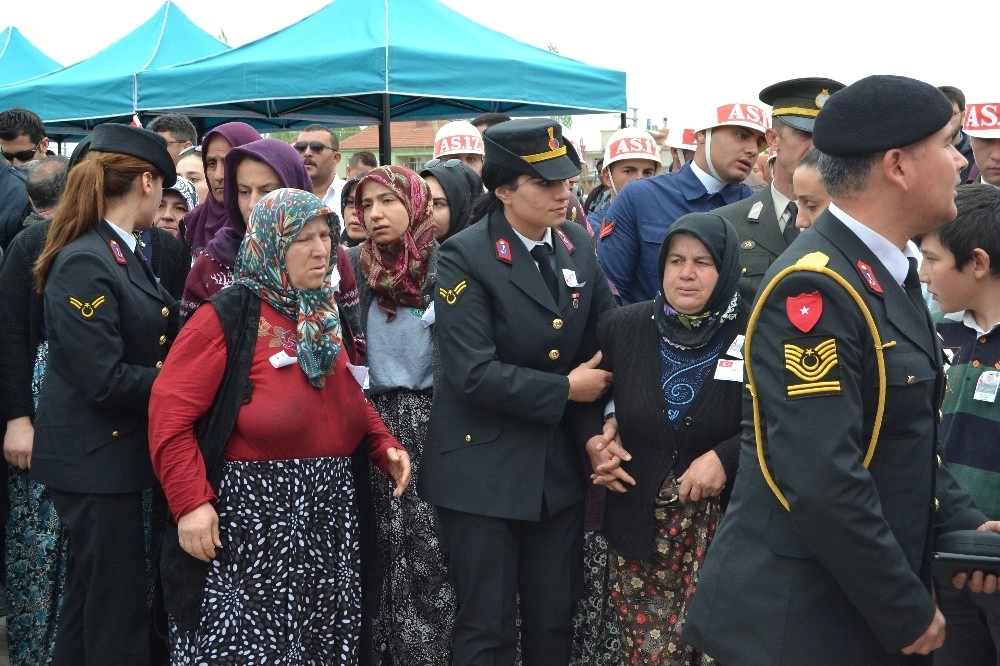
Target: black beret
[797, 102]
[137, 142]
[879, 113]
[532, 146]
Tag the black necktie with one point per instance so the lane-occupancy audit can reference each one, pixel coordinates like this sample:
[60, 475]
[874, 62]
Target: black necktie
[540, 253]
[912, 287]
[791, 232]
[145, 266]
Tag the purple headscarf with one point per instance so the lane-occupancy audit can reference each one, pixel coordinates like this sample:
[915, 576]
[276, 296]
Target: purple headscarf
[284, 161]
[208, 217]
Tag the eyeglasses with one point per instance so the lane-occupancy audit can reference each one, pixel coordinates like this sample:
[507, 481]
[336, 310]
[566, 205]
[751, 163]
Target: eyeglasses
[314, 146]
[21, 156]
[450, 164]
[190, 149]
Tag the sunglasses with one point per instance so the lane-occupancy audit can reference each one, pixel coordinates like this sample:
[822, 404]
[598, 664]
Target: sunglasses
[314, 146]
[190, 149]
[450, 164]
[21, 156]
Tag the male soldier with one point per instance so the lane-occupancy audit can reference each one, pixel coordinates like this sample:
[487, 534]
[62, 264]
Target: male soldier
[982, 124]
[766, 221]
[826, 544]
[728, 141]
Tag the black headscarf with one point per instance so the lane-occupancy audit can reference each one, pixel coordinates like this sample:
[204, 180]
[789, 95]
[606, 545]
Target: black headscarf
[723, 244]
[462, 186]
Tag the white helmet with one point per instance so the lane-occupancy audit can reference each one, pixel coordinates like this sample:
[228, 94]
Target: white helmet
[631, 143]
[681, 138]
[752, 116]
[458, 137]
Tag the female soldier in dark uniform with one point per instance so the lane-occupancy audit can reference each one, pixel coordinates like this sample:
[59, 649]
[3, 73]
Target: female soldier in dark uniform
[514, 405]
[108, 322]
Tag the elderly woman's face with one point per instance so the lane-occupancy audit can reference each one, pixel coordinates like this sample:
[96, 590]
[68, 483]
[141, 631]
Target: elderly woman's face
[307, 259]
[386, 218]
[689, 275]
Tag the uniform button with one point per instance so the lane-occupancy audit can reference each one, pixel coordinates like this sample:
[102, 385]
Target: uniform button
[165, 312]
[159, 364]
[557, 323]
[163, 339]
[744, 271]
[910, 379]
[468, 438]
[554, 354]
[937, 504]
[983, 339]
[975, 364]
[688, 421]
[940, 416]
[114, 433]
[938, 460]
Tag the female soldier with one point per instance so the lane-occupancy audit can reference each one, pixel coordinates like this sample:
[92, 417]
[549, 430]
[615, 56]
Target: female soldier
[512, 407]
[108, 322]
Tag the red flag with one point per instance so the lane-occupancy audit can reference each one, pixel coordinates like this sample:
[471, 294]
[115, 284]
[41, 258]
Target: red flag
[135, 120]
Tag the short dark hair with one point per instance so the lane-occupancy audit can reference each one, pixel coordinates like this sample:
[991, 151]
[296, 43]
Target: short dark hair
[17, 121]
[977, 225]
[846, 176]
[47, 181]
[490, 119]
[954, 95]
[363, 157]
[179, 126]
[810, 159]
[315, 127]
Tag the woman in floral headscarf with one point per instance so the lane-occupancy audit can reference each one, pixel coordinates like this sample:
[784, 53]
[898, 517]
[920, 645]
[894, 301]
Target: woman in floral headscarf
[266, 493]
[396, 276]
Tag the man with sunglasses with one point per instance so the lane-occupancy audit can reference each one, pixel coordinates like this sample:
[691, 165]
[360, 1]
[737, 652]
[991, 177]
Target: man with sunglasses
[22, 139]
[320, 151]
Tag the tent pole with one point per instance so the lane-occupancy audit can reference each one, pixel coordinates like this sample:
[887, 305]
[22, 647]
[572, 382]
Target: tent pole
[384, 134]
[623, 126]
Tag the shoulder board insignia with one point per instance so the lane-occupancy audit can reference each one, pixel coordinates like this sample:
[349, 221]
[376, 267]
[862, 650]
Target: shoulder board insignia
[607, 228]
[811, 367]
[86, 309]
[755, 209]
[503, 251]
[450, 296]
[748, 245]
[868, 275]
[116, 250]
[813, 260]
[565, 240]
[804, 310]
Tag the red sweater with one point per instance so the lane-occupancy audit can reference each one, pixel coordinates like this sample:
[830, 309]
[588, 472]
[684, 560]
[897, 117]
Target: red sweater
[286, 417]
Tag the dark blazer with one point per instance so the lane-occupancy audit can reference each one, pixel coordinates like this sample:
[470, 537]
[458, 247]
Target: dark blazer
[631, 346]
[501, 432]
[108, 326]
[760, 238]
[842, 577]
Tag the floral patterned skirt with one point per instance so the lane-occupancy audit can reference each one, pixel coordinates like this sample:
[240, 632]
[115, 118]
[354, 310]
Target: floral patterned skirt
[652, 596]
[285, 587]
[417, 607]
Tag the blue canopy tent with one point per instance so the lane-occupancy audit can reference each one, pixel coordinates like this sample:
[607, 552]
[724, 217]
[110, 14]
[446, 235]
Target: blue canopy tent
[360, 62]
[72, 100]
[20, 59]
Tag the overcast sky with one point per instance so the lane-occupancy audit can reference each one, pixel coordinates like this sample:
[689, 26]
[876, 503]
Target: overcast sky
[676, 55]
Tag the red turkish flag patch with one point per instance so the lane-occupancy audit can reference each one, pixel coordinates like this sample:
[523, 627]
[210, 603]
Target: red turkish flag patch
[804, 310]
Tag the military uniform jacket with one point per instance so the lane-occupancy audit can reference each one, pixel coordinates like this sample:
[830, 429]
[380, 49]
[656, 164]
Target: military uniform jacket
[501, 432]
[761, 241]
[841, 577]
[108, 326]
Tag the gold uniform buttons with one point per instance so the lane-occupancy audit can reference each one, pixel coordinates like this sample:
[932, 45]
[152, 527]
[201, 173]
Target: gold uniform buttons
[554, 355]
[983, 339]
[114, 433]
[557, 323]
[975, 364]
[163, 339]
[937, 504]
[468, 438]
[743, 271]
[159, 364]
[910, 379]
[938, 458]
[165, 312]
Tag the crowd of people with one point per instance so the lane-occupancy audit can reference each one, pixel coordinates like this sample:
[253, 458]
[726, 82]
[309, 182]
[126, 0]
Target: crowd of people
[258, 413]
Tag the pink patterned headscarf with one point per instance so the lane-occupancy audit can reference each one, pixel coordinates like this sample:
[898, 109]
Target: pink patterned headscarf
[397, 273]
